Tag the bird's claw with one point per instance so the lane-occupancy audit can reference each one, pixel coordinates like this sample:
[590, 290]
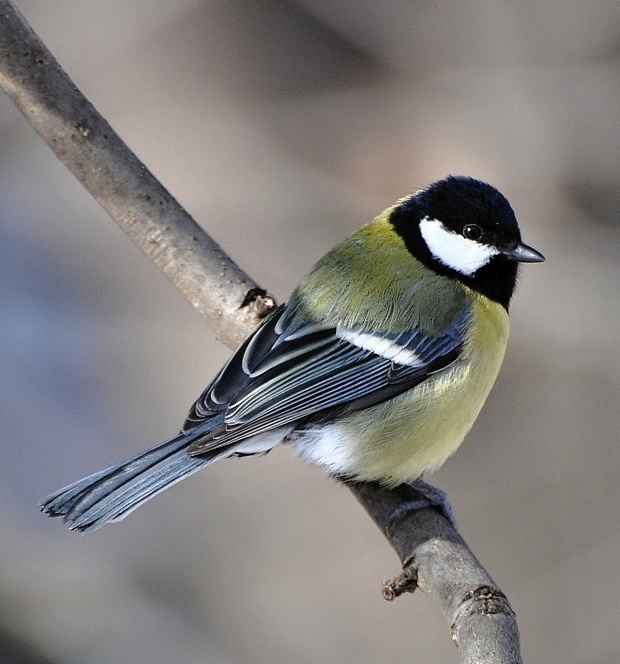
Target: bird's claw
[429, 496]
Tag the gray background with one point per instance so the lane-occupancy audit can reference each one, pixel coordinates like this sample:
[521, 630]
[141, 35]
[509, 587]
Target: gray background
[282, 127]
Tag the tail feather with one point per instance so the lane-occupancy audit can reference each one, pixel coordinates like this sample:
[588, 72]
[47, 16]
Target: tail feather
[111, 494]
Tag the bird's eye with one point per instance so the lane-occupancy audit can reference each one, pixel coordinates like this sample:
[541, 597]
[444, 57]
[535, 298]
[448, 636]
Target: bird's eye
[472, 232]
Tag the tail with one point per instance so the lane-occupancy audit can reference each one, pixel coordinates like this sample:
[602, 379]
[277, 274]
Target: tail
[111, 494]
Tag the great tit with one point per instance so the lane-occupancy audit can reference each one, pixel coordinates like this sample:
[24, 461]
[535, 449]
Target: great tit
[376, 368]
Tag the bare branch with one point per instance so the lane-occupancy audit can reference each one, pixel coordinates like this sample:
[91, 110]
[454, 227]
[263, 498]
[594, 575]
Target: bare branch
[438, 560]
[223, 294]
[434, 556]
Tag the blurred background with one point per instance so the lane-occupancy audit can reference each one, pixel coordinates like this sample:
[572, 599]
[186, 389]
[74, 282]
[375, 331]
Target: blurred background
[283, 126]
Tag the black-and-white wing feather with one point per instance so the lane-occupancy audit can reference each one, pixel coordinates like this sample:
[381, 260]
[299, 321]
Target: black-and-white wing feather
[284, 373]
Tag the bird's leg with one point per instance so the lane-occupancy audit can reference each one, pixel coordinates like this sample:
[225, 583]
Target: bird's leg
[428, 496]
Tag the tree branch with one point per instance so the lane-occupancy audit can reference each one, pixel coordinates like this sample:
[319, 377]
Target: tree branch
[434, 556]
[437, 560]
[223, 294]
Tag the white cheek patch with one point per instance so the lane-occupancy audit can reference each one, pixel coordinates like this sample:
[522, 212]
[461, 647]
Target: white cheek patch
[454, 250]
[382, 346]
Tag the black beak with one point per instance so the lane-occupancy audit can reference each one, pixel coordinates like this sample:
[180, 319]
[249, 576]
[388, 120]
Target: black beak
[523, 254]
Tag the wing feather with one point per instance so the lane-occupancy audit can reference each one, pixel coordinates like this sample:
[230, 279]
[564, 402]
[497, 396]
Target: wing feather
[285, 372]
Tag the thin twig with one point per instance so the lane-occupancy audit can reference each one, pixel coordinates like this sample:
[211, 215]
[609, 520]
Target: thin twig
[433, 555]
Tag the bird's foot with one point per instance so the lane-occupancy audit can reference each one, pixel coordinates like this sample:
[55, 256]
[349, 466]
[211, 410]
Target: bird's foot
[429, 496]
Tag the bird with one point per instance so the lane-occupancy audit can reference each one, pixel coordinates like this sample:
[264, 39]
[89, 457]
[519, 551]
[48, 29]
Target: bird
[375, 369]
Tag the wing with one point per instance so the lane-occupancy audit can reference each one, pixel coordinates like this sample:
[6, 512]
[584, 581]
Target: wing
[284, 373]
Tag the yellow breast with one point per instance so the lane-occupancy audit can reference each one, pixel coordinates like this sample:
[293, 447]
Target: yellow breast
[416, 432]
